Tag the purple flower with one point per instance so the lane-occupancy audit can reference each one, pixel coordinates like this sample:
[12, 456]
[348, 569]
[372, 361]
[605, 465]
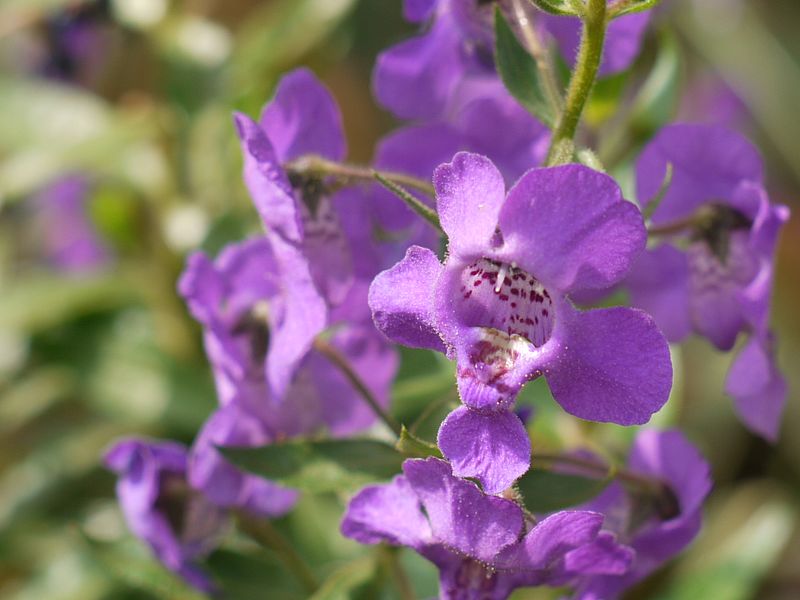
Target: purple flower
[484, 546]
[656, 527]
[712, 271]
[422, 77]
[179, 525]
[71, 243]
[499, 306]
[302, 119]
[250, 308]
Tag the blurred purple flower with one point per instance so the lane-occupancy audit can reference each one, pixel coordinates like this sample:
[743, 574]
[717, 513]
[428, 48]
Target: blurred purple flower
[71, 243]
[422, 77]
[499, 306]
[251, 311]
[484, 546]
[656, 527]
[712, 273]
[179, 525]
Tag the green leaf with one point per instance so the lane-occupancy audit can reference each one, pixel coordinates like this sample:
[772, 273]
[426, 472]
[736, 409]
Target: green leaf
[546, 491]
[519, 71]
[622, 9]
[555, 7]
[655, 103]
[320, 466]
[412, 446]
[346, 582]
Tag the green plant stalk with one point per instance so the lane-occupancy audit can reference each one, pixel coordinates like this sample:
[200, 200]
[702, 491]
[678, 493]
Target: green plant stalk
[341, 363]
[263, 532]
[580, 87]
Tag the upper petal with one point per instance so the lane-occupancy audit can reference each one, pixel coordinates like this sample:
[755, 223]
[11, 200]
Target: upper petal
[493, 447]
[415, 78]
[708, 164]
[401, 300]
[469, 194]
[303, 118]
[570, 228]
[612, 365]
[461, 516]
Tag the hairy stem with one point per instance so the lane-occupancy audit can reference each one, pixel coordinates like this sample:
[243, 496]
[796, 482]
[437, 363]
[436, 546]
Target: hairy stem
[590, 55]
[263, 532]
[322, 167]
[341, 363]
[639, 482]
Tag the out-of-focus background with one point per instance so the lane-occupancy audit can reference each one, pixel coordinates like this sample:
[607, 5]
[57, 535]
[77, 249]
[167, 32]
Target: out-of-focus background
[118, 156]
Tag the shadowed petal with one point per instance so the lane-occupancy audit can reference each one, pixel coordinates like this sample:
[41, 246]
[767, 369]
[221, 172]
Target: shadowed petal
[493, 447]
[461, 516]
[401, 300]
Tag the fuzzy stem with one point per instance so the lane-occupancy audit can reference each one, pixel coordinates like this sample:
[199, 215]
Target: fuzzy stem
[640, 482]
[590, 55]
[321, 167]
[340, 362]
[263, 532]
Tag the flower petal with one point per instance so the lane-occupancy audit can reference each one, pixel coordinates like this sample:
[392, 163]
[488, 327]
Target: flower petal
[303, 118]
[415, 78]
[613, 365]
[469, 193]
[390, 513]
[708, 164]
[758, 388]
[493, 447]
[267, 182]
[461, 516]
[570, 228]
[401, 300]
[417, 11]
[659, 285]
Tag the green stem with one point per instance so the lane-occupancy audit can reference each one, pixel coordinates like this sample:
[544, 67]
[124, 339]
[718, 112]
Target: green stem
[398, 573]
[640, 482]
[341, 363]
[322, 167]
[263, 532]
[422, 209]
[590, 55]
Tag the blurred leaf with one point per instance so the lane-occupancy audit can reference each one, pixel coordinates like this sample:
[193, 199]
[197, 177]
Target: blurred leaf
[57, 128]
[655, 103]
[546, 491]
[321, 466]
[278, 36]
[40, 302]
[605, 98]
[519, 71]
[244, 577]
[345, 582]
[412, 446]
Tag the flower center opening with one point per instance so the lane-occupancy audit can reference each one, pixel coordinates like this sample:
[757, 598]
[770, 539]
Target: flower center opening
[251, 332]
[717, 227]
[502, 296]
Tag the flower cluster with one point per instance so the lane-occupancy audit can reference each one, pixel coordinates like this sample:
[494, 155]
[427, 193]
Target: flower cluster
[298, 322]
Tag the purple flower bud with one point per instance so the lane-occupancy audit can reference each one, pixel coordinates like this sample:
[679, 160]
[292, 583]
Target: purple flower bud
[180, 525]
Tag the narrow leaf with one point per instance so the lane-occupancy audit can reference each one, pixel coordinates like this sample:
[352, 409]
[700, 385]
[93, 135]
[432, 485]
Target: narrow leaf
[319, 466]
[519, 71]
[413, 447]
[555, 7]
[412, 201]
[652, 204]
[546, 491]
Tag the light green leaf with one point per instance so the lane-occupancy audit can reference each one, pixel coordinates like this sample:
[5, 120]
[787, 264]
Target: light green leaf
[414, 447]
[344, 583]
[519, 71]
[320, 466]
